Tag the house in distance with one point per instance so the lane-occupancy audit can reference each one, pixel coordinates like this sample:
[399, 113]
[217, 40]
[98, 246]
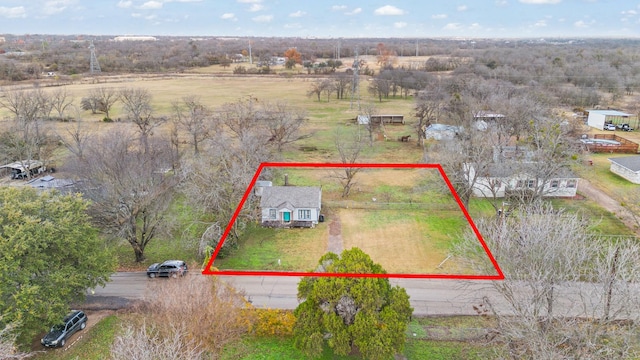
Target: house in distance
[291, 206]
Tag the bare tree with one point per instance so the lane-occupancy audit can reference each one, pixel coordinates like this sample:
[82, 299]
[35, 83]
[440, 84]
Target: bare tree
[77, 139]
[195, 119]
[216, 182]
[349, 147]
[569, 294]
[319, 87]
[104, 98]
[60, 101]
[283, 123]
[130, 188]
[143, 343]
[137, 105]
[28, 137]
[429, 106]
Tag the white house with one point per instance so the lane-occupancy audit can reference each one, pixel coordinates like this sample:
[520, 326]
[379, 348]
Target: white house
[628, 167]
[597, 118]
[290, 206]
[498, 179]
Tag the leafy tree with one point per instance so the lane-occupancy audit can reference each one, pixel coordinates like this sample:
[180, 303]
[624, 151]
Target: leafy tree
[293, 54]
[50, 256]
[362, 312]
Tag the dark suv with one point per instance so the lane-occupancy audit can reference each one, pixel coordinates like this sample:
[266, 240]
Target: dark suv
[58, 335]
[169, 268]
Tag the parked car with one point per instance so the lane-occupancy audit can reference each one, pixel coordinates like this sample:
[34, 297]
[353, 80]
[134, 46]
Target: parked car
[76, 320]
[624, 127]
[169, 268]
[610, 127]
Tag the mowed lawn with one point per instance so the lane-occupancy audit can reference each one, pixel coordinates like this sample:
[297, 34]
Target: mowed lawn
[405, 241]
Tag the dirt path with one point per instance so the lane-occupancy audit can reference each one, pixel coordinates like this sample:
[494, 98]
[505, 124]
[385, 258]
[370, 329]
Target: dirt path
[608, 203]
[335, 244]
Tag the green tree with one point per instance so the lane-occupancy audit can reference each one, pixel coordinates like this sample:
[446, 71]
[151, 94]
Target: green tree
[366, 313]
[50, 256]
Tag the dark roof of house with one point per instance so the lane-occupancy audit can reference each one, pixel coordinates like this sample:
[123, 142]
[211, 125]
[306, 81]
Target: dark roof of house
[297, 196]
[630, 162]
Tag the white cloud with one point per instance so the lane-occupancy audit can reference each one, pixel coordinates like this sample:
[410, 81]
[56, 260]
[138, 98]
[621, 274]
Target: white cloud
[263, 18]
[452, 26]
[249, 1]
[388, 10]
[540, 23]
[256, 7]
[475, 27]
[298, 13]
[124, 4]
[629, 12]
[502, 2]
[462, 8]
[339, 7]
[439, 16]
[536, 2]
[228, 16]
[56, 6]
[581, 24]
[151, 5]
[13, 12]
[400, 25]
[150, 17]
[354, 11]
[293, 26]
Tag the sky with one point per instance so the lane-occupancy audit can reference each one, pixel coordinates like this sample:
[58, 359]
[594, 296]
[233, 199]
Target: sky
[325, 19]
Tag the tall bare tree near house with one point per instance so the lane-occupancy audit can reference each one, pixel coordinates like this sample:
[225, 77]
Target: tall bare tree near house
[569, 292]
[194, 118]
[216, 181]
[137, 105]
[283, 123]
[349, 146]
[129, 187]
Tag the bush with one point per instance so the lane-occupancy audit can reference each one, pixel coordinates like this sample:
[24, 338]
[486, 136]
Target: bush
[210, 311]
[272, 322]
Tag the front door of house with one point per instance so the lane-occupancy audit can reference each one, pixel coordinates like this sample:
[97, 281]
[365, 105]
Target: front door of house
[286, 216]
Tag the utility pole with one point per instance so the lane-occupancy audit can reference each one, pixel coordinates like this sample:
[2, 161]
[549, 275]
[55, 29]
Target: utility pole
[94, 66]
[355, 89]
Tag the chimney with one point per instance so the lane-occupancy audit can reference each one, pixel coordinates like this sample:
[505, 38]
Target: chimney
[286, 179]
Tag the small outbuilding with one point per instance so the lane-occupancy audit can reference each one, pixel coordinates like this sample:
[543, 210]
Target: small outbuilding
[290, 206]
[598, 118]
[627, 167]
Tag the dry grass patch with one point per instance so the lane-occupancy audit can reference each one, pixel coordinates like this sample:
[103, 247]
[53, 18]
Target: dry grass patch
[400, 241]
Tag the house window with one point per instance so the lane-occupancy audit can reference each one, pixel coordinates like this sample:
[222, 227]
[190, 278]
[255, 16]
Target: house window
[520, 184]
[531, 184]
[304, 214]
[555, 183]
[272, 213]
[571, 183]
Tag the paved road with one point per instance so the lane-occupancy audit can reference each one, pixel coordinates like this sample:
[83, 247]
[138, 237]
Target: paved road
[428, 296]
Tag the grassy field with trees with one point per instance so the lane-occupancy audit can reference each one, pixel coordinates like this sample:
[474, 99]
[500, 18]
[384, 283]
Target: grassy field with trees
[164, 150]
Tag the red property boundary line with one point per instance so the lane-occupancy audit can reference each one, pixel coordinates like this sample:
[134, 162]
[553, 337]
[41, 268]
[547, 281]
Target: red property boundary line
[207, 270]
